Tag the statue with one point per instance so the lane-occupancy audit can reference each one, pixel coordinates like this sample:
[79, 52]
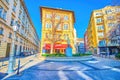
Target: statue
[68, 49]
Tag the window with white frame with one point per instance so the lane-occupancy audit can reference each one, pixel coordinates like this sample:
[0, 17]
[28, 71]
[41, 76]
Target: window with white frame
[111, 24]
[100, 34]
[48, 15]
[65, 36]
[65, 27]
[110, 17]
[100, 27]
[98, 14]
[57, 17]
[108, 11]
[117, 9]
[99, 20]
[48, 25]
[65, 17]
[58, 27]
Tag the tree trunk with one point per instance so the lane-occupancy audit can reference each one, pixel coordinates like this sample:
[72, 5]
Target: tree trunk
[51, 50]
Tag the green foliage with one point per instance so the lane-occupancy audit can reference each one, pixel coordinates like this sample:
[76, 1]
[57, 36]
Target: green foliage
[54, 55]
[63, 55]
[81, 54]
[118, 56]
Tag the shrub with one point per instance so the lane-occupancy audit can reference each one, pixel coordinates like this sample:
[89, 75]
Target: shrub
[54, 55]
[117, 55]
[81, 54]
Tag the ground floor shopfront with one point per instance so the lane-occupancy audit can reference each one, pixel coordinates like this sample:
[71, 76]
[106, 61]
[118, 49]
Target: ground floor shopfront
[57, 48]
[21, 42]
[110, 50]
[6, 48]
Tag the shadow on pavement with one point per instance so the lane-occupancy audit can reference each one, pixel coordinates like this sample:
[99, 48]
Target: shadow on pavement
[2, 75]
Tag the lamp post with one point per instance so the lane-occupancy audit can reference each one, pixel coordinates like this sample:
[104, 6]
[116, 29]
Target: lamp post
[11, 57]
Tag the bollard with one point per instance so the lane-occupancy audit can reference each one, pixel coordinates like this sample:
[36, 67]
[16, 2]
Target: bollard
[18, 67]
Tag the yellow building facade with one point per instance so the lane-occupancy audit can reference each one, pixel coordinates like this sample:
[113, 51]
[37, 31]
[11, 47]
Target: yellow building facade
[65, 29]
[101, 22]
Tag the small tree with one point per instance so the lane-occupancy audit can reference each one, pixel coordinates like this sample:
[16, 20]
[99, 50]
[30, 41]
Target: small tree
[53, 35]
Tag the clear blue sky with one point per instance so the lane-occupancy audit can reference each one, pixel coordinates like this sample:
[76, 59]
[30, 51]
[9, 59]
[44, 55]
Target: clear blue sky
[81, 8]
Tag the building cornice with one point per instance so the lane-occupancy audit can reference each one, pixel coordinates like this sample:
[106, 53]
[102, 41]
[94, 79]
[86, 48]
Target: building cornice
[25, 9]
[58, 9]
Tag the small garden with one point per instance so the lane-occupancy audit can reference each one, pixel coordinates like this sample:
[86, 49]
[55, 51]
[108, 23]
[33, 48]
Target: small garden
[63, 55]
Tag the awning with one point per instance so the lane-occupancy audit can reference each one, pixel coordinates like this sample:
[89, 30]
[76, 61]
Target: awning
[56, 46]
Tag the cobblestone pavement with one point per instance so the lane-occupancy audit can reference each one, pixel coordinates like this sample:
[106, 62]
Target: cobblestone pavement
[93, 69]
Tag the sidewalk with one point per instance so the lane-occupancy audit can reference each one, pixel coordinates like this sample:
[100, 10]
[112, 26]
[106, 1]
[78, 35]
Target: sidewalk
[107, 57]
[24, 64]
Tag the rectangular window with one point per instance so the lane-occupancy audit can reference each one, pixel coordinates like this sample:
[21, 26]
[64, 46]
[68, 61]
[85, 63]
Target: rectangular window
[117, 10]
[18, 27]
[4, 15]
[59, 27]
[65, 27]
[100, 27]
[1, 31]
[111, 24]
[19, 14]
[20, 40]
[48, 25]
[98, 14]
[57, 17]
[48, 15]
[14, 8]
[65, 17]
[16, 38]
[99, 20]
[7, 1]
[65, 36]
[1, 12]
[0, 43]
[110, 17]
[12, 22]
[108, 11]
[10, 35]
[101, 34]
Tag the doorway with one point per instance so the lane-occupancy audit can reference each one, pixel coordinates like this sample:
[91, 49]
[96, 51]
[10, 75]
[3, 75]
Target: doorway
[8, 49]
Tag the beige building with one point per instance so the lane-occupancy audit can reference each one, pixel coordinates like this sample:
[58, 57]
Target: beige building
[14, 12]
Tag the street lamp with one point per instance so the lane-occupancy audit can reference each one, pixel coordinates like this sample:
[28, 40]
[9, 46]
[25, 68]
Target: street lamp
[11, 57]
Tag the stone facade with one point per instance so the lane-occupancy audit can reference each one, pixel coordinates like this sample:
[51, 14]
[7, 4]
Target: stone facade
[14, 13]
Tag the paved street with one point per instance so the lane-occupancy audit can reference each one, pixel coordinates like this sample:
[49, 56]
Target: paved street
[93, 69]
[25, 63]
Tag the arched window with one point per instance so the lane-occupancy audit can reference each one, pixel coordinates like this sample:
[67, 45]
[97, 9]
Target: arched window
[1, 31]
